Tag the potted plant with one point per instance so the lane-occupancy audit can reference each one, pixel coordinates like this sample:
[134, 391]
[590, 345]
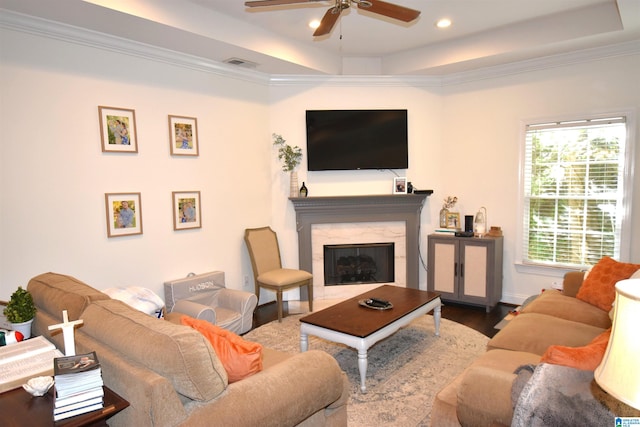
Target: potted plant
[291, 157]
[20, 312]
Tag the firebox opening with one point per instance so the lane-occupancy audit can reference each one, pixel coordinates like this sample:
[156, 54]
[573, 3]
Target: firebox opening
[359, 263]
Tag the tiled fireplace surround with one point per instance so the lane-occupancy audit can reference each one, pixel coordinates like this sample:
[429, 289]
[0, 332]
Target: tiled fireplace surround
[358, 219]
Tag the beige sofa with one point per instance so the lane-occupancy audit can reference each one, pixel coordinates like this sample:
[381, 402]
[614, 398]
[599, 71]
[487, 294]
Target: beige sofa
[482, 394]
[172, 377]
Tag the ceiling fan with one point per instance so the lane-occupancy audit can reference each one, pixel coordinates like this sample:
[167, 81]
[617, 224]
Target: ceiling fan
[331, 16]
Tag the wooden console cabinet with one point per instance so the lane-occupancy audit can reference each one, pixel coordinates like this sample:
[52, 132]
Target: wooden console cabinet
[465, 269]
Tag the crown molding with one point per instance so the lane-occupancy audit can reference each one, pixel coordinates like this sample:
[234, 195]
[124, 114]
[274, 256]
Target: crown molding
[355, 80]
[81, 36]
[55, 30]
[544, 63]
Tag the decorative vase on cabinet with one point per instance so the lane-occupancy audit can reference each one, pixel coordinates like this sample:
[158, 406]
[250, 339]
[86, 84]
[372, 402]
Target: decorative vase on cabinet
[443, 217]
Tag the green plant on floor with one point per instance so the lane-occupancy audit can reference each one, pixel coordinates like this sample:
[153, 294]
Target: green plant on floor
[20, 307]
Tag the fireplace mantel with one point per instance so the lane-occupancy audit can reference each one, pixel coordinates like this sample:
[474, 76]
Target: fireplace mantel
[371, 208]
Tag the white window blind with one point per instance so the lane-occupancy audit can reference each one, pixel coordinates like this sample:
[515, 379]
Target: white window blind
[573, 191]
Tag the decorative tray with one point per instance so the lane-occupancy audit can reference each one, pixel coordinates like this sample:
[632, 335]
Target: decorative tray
[375, 305]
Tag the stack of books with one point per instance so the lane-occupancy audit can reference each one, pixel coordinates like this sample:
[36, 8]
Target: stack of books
[78, 385]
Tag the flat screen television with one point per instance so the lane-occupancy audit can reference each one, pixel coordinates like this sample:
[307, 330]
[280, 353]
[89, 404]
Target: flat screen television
[357, 139]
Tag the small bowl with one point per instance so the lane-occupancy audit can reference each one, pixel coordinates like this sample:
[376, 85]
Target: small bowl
[38, 386]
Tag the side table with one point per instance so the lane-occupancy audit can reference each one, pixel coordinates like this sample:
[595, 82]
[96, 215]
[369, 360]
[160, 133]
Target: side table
[19, 408]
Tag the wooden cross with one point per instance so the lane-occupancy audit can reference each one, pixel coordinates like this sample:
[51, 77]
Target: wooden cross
[67, 333]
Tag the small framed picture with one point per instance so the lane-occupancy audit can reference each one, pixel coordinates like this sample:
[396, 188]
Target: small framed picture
[118, 130]
[124, 214]
[186, 210]
[400, 185]
[453, 220]
[183, 135]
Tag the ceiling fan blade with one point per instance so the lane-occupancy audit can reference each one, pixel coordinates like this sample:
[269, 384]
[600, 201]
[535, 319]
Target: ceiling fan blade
[328, 21]
[261, 3]
[389, 9]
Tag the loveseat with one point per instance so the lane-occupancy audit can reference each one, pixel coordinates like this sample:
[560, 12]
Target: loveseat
[170, 374]
[554, 327]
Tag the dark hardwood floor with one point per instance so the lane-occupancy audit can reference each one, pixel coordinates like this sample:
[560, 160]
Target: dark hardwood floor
[474, 317]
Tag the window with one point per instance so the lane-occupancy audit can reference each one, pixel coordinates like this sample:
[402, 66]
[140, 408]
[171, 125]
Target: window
[574, 186]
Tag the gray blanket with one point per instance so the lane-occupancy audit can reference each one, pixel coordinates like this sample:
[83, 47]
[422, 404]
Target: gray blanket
[561, 396]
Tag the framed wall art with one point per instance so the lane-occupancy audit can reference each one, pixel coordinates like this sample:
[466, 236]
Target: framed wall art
[453, 220]
[186, 210]
[400, 185]
[124, 214]
[118, 130]
[183, 135]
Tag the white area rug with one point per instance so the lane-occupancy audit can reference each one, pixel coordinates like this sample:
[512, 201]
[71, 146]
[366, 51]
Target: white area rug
[405, 371]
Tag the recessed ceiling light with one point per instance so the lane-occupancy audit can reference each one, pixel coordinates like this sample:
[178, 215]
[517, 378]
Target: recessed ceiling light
[443, 23]
[314, 24]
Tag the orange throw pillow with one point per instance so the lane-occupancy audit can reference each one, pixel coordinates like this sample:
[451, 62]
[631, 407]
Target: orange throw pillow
[598, 288]
[239, 357]
[586, 358]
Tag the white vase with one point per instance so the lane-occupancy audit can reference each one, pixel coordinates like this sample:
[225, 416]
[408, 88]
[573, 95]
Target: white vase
[293, 184]
[24, 328]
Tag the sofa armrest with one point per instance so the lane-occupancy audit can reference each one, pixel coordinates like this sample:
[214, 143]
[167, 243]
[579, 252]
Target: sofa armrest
[195, 310]
[572, 282]
[285, 394]
[484, 397]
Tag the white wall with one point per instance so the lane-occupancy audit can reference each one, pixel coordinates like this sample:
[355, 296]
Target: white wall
[482, 123]
[424, 105]
[54, 176]
[464, 141]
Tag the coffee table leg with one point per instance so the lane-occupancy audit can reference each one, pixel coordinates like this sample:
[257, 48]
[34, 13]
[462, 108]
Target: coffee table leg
[436, 318]
[362, 366]
[304, 342]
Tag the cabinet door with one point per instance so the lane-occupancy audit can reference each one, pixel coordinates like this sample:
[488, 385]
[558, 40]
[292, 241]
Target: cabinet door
[445, 265]
[474, 270]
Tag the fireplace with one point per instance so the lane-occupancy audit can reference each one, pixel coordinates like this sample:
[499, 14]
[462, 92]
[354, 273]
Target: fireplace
[359, 263]
[358, 219]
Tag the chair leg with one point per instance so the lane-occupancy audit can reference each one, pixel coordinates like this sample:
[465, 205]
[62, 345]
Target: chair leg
[279, 302]
[310, 293]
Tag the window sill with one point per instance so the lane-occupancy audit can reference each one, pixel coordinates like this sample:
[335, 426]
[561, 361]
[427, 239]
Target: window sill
[545, 270]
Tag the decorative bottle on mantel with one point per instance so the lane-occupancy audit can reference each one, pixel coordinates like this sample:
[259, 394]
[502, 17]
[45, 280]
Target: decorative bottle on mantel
[303, 190]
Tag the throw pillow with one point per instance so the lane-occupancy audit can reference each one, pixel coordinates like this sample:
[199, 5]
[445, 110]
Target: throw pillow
[598, 288]
[239, 357]
[586, 358]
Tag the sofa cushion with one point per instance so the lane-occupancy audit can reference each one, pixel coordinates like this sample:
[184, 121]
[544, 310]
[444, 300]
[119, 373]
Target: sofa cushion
[178, 353]
[53, 293]
[555, 304]
[534, 333]
[586, 358]
[598, 287]
[239, 357]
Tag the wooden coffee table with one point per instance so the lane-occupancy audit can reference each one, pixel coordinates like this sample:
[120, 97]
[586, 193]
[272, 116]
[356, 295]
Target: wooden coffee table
[360, 327]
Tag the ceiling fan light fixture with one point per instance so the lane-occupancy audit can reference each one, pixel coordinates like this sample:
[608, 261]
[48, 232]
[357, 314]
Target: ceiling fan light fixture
[314, 23]
[443, 23]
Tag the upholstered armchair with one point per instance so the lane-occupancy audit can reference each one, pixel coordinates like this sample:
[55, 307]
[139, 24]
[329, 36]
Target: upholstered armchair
[206, 297]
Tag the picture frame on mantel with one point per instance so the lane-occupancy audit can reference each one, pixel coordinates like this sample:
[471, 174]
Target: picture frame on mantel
[400, 185]
[183, 135]
[124, 214]
[118, 130]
